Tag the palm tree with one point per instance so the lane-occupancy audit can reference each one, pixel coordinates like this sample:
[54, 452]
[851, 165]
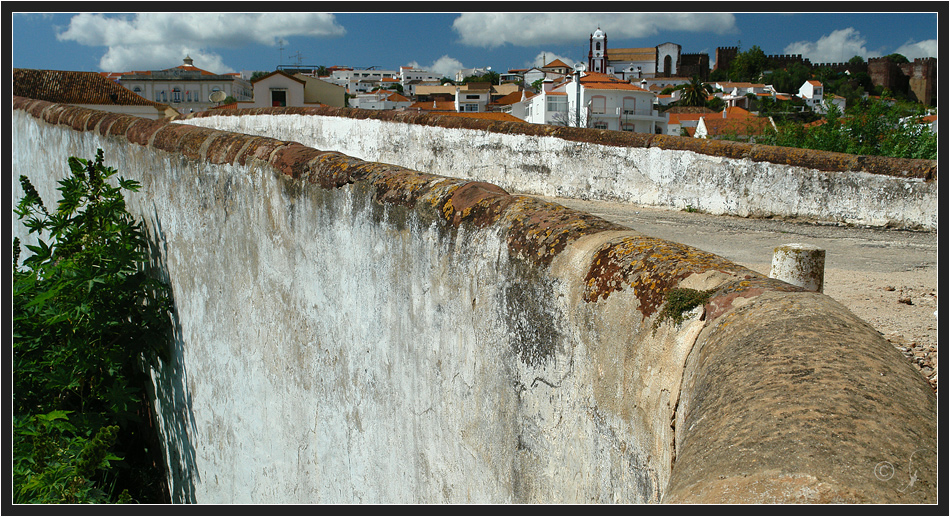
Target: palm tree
[695, 93]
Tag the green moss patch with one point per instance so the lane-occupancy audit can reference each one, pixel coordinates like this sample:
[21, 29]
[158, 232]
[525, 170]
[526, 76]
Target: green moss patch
[679, 301]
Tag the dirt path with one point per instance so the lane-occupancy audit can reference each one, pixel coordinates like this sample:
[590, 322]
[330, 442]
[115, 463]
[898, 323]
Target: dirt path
[886, 277]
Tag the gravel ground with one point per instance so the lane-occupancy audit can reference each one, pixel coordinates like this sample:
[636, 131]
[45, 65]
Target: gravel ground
[885, 277]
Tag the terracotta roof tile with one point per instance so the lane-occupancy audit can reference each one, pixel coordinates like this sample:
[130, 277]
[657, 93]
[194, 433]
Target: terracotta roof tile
[433, 106]
[746, 126]
[598, 81]
[69, 87]
[513, 97]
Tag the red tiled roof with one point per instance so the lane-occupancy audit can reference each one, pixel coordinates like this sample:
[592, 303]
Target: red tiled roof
[746, 126]
[557, 63]
[192, 69]
[69, 87]
[281, 72]
[737, 112]
[513, 97]
[433, 106]
[598, 81]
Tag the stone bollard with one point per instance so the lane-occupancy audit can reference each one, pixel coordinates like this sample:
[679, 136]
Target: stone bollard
[799, 264]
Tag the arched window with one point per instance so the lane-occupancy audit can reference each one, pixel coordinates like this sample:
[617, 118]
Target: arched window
[668, 65]
[598, 46]
[137, 90]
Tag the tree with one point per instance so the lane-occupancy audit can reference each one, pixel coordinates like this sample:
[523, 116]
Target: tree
[258, 74]
[85, 313]
[490, 76]
[791, 78]
[896, 58]
[695, 93]
[748, 65]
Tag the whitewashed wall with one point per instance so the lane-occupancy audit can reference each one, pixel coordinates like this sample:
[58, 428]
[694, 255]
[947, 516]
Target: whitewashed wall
[550, 166]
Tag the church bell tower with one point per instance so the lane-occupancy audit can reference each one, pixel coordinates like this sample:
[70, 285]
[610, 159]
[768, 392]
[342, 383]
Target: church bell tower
[597, 57]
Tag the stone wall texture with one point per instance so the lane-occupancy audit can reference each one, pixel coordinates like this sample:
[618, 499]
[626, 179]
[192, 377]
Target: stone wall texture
[719, 177]
[349, 331]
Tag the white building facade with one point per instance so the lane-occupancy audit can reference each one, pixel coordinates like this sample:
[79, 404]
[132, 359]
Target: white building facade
[604, 102]
[186, 87]
[597, 101]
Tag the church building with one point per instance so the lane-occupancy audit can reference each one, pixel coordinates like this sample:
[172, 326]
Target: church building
[632, 63]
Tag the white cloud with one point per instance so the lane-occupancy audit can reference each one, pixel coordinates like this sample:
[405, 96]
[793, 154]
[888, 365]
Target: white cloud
[837, 47]
[161, 40]
[445, 66]
[491, 30]
[911, 50]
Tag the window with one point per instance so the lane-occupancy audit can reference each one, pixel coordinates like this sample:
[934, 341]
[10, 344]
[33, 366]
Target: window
[598, 104]
[600, 125]
[176, 94]
[557, 103]
[471, 107]
[278, 98]
[627, 127]
[629, 105]
[472, 97]
[137, 90]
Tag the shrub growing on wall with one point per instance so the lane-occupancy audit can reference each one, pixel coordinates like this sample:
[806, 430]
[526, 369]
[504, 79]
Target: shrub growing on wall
[85, 313]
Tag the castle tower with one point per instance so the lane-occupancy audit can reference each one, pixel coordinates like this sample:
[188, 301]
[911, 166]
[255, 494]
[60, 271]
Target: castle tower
[597, 56]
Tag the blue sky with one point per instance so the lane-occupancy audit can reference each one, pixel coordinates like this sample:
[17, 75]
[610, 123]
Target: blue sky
[443, 42]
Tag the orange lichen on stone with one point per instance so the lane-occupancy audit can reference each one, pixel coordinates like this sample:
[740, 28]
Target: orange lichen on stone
[650, 266]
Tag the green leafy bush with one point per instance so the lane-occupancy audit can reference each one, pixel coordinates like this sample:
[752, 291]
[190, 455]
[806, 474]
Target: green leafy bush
[85, 314]
[873, 128]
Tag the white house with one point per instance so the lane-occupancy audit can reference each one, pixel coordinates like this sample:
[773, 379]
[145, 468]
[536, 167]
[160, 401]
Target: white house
[361, 79]
[812, 93]
[598, 101]
[609, 103]
[472, 100]
[380, 100]
[408, 73]
[734, 93]
[277, 89]
[547, 107]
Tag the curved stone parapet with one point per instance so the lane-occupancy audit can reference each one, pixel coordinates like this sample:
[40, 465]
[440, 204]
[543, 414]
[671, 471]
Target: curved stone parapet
[354, 331]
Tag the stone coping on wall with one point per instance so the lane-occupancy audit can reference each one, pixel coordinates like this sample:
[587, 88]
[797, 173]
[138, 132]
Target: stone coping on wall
[809, 158]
